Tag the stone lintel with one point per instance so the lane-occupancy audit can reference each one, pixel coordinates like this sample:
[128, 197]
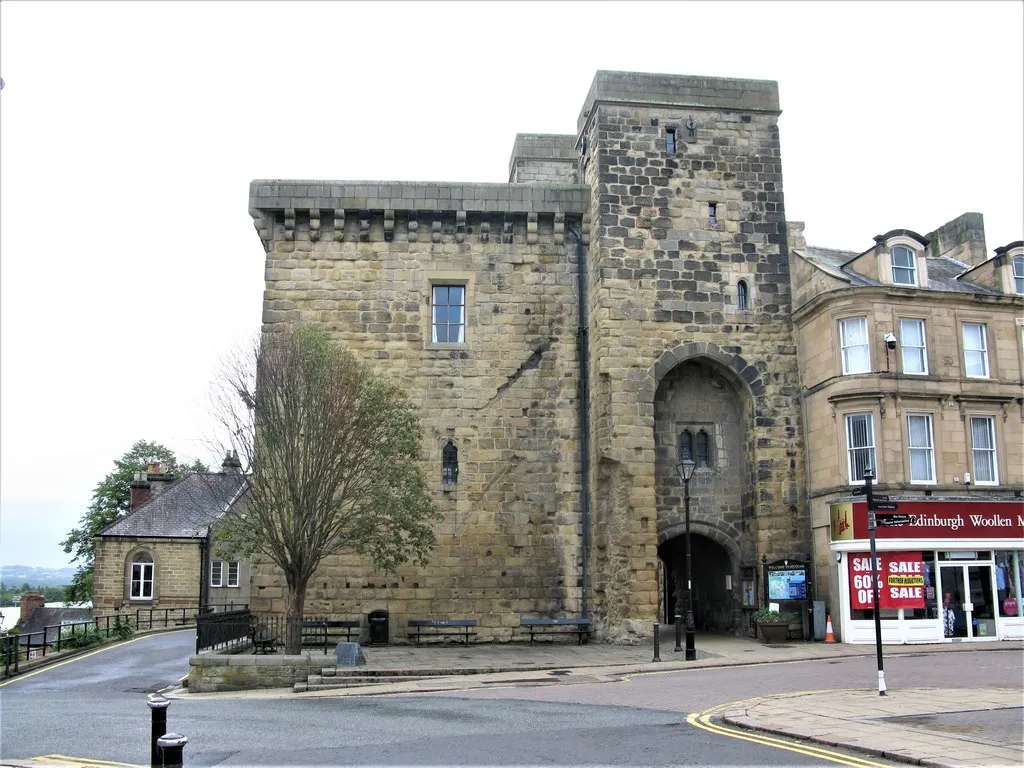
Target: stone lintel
[674, 91]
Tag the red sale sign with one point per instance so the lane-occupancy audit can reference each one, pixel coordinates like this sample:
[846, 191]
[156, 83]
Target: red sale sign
[900, 580]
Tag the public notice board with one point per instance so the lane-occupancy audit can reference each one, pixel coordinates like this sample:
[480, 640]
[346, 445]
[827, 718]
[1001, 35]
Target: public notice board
[787, 583]
[900, 580]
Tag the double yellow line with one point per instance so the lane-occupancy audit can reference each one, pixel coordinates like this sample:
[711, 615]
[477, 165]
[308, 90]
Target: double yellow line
[702, 720]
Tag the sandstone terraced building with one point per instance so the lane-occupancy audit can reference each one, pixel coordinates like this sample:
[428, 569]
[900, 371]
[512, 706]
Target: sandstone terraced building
[623, 301]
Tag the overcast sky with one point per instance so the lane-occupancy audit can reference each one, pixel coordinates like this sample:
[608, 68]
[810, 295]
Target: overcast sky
[129, 133]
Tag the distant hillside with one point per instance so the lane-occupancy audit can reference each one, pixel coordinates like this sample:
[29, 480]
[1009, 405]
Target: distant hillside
[16, 575]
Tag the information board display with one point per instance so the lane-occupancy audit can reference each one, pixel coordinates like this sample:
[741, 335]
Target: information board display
[787, 583]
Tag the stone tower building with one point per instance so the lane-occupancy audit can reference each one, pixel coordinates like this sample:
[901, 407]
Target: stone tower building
[622, 303]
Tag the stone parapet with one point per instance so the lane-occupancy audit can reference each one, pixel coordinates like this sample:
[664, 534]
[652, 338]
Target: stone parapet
[543, 158]
[680, 91]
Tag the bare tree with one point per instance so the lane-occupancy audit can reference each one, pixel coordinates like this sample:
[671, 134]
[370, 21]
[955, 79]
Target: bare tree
[331, 451]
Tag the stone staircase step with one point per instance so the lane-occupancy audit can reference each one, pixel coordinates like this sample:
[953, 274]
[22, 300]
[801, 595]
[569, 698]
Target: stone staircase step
[349, 681]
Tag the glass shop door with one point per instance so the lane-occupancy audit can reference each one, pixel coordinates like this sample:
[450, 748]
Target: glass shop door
[968, 602]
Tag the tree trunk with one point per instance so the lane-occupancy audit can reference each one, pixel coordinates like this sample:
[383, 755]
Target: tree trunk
[294, 606]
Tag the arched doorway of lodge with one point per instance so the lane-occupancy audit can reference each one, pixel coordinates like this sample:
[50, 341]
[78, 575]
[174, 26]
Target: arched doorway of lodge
[713, 594]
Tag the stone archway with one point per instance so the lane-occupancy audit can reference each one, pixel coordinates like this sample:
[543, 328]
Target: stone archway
[703, 411]
[714, 598]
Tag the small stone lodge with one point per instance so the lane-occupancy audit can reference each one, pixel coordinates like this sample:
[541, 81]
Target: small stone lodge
[633, 296]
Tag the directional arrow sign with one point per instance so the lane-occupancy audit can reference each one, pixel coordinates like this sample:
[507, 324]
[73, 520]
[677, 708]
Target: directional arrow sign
[892, 507]
[857, 492]
[893, 519]
[880, 497]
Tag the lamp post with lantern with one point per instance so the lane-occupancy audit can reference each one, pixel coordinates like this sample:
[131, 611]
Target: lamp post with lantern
[685, 469]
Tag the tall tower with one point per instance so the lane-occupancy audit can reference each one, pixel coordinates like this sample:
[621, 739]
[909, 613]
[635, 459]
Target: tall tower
[691, 341]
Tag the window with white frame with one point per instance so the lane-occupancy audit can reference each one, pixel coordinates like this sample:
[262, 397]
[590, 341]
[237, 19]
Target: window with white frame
[976, 350]
[448, 307]
[904, 266]
[860, 446]
[1018, 275]
[853, 339]
[983, 450]
[142, 577]
[912, 344]
[221, 570]
[922, 448]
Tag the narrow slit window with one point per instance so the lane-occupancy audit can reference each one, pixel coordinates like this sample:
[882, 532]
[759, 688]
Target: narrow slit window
[742, 295]
[449, 464]
[713, 213]
[686, 445]
[702, 448]
[670, 141]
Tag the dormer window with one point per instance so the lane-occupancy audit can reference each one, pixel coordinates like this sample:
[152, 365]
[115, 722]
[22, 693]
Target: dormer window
[904, 266]
[1018, 275]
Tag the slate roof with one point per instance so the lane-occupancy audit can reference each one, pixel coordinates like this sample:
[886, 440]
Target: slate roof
[943, 272]
[184, 510]
[50, 617]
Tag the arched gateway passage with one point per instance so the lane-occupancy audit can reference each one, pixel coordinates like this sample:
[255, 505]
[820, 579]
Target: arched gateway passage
[702, 413]
[712, 567]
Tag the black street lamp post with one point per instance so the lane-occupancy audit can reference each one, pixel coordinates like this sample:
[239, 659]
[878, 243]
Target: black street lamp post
[685, 469]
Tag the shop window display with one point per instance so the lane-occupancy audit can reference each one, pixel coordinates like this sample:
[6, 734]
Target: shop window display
[1009, 581]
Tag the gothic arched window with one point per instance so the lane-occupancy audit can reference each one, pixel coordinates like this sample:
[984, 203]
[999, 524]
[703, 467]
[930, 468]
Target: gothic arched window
[686, 445]
[449, 464]
[742, 295]
[702, 449]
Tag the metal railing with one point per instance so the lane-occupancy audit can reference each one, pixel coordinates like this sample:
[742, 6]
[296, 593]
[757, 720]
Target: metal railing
[55, 638]
[222, 629]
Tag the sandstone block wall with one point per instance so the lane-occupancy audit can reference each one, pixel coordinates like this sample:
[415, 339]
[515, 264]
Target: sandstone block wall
[509, 543]
[663, 276]
[175, 573]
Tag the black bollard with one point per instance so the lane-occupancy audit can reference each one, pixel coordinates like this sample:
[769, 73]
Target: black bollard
[171, 746]
[158, 706]
[679, 633]
[657, 642]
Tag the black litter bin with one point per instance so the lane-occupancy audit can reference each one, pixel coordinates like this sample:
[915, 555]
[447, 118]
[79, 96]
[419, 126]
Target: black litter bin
[378, 621]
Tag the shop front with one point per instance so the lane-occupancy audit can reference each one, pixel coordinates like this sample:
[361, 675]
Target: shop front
[952, 571]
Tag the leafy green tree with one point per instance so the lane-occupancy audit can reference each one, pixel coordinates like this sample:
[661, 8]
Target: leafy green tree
[333, 451]
[111, 500]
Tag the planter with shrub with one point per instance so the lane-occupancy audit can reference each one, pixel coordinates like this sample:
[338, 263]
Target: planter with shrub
[772, 626]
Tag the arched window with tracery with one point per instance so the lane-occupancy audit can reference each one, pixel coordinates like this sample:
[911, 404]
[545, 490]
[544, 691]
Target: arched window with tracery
[702, 449]
[686, 445]
[449, 464]
[142, 570]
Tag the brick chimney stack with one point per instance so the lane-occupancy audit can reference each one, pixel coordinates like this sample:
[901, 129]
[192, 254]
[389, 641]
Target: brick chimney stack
[142, 489]
[29, 602]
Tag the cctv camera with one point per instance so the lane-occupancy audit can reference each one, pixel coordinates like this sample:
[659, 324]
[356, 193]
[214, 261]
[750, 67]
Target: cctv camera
[890, 340]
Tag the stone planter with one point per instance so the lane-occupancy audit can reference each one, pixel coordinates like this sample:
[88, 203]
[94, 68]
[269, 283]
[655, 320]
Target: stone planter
[773, 631]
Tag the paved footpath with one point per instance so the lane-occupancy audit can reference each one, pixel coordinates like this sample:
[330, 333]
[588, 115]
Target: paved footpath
[955, 728]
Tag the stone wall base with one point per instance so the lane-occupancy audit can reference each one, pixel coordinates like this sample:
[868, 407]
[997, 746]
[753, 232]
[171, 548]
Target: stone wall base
[210, 672]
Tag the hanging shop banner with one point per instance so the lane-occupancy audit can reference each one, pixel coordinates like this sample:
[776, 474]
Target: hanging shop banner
[936, 520]
[900, 580]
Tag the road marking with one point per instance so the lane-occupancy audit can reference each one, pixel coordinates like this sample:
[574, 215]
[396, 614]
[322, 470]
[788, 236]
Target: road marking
[65, 760]
[86, 656]
[702, 720]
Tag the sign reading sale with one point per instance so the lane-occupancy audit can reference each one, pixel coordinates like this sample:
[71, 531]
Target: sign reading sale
[900, 580]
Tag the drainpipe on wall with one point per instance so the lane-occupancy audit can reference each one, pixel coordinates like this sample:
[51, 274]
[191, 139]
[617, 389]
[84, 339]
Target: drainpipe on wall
[583, 404]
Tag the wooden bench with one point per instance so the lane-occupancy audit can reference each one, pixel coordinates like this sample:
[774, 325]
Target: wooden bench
[320, 631]
[264, 640]
[578, 627]
[430, 627]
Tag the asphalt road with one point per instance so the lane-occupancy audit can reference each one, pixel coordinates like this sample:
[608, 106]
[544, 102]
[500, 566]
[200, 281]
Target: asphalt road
[95, 707]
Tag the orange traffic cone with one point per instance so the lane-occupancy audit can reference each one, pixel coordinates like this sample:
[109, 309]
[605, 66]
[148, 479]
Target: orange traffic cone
[829, 637]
